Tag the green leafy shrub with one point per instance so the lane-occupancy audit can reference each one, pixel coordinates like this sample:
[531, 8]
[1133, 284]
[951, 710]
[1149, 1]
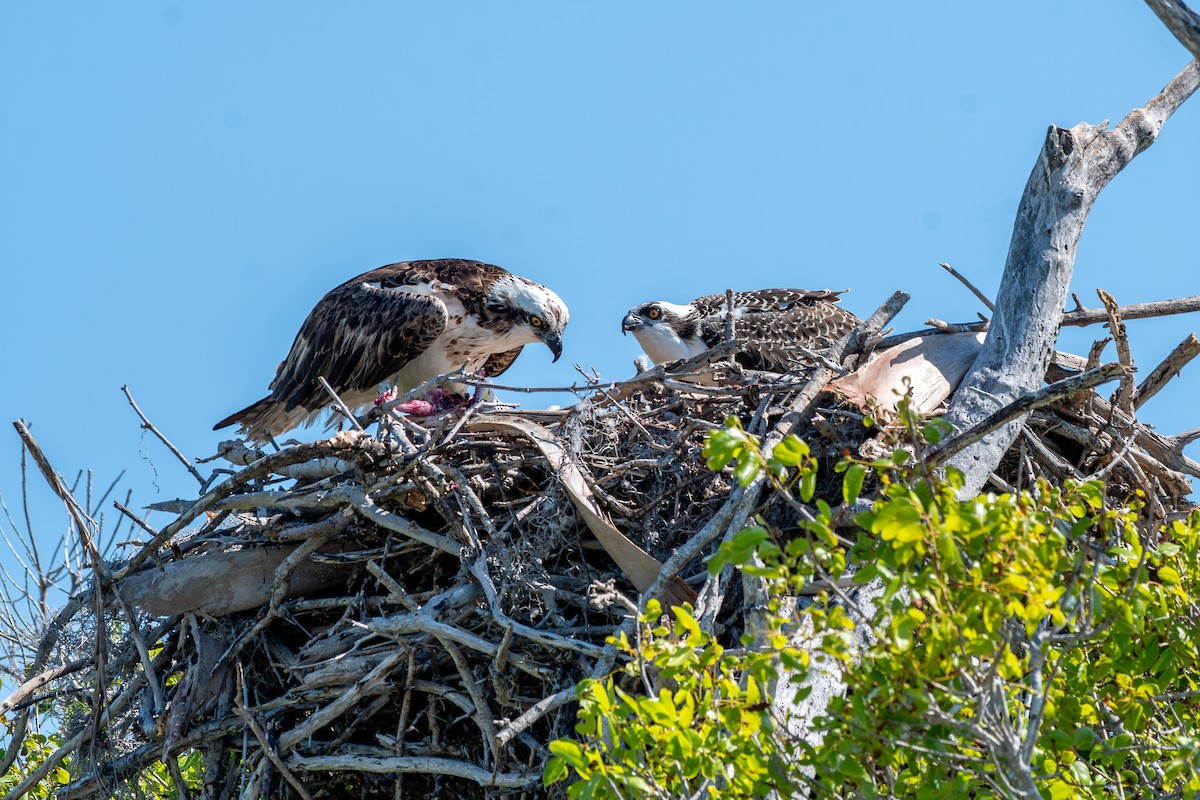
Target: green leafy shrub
[35, 749]
[1038, 644]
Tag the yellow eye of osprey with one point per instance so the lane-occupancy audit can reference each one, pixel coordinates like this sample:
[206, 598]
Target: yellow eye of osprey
[654, 313]
[535, 320]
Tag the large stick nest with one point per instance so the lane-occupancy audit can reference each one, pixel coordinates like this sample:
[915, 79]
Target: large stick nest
[412, 608]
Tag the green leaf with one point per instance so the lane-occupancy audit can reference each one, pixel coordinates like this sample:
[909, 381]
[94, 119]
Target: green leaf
[719, 449]
[739, 549]
[1061, 790]
[808, 485]
[570, 751]
[1169, 576]
[746, 540]
[902, 636]
[747, 469]
[653, 610]
[791, 451]
[932, 433]
[555, 771]
[853, 482]
[723, 445]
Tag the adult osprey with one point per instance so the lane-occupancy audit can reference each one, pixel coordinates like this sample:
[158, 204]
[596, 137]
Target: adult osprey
[768, 323]
[404, 324]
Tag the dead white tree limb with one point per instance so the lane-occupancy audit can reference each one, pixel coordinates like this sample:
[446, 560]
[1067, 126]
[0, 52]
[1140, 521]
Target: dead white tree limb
[1072, 169]
[1181, 21]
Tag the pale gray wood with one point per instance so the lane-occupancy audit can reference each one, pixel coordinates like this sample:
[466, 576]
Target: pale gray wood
[220, 584]
[1181, 21]
[1180, 357]
[1158, 308]
[1071, 170]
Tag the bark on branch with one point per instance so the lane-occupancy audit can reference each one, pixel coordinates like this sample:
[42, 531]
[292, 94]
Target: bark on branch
[1181, 21]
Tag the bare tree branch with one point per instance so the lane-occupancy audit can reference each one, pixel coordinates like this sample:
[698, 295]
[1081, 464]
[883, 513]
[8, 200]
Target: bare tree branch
[1181, 21]
[1074, 166]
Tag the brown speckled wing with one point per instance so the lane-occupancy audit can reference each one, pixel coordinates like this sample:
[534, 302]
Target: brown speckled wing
[772, 321]
[472, 279]
[497, 363]
[359, 335]
[765, 300]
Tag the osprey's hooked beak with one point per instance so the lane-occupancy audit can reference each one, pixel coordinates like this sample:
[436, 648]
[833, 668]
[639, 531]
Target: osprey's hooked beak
[554, 342]
[630, 323]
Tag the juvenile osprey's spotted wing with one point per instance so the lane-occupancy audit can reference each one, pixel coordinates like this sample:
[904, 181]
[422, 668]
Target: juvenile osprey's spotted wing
[770, 324]
[405, 324]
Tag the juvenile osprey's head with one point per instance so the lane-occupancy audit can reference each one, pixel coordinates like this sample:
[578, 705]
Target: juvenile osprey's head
[528, 312]
[666, 331]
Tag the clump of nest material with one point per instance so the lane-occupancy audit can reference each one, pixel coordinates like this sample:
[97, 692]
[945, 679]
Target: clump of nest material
[406, 611]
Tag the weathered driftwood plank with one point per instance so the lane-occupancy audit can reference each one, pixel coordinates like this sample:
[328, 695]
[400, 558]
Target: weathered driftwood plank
[219, 584]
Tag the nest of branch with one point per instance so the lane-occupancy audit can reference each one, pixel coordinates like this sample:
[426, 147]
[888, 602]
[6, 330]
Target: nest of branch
[407, 613]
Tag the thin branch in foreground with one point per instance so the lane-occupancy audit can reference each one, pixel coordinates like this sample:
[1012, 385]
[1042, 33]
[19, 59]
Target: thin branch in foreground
[983, 298]
[1178, 358]
[340, 403]
[1082, 316]
[149, 426]
[1123, 399]
[1019, 407]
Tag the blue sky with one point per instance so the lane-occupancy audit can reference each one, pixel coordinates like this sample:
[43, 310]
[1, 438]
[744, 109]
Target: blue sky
[180, 182]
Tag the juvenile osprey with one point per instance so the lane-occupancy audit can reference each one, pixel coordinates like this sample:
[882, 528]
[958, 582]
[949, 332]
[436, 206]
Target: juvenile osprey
[404, 323]
[768, 323]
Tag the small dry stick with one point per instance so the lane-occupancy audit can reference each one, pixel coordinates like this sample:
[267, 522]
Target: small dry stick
[140, 522]
[954, 327]
[1159, 308]
[982, 297]
[149, 426]
[341, 404]
[243, 711]
[729, 323]
[1022, 405]
[1123, 399]
[18, 696]
[1183, 353]
[430, 765]
[948, 327]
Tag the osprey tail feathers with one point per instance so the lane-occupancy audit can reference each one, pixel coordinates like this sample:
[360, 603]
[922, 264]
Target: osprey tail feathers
[264, 419]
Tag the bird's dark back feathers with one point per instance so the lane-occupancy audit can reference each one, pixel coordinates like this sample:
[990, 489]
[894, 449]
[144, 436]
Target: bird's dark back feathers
[771, 322]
